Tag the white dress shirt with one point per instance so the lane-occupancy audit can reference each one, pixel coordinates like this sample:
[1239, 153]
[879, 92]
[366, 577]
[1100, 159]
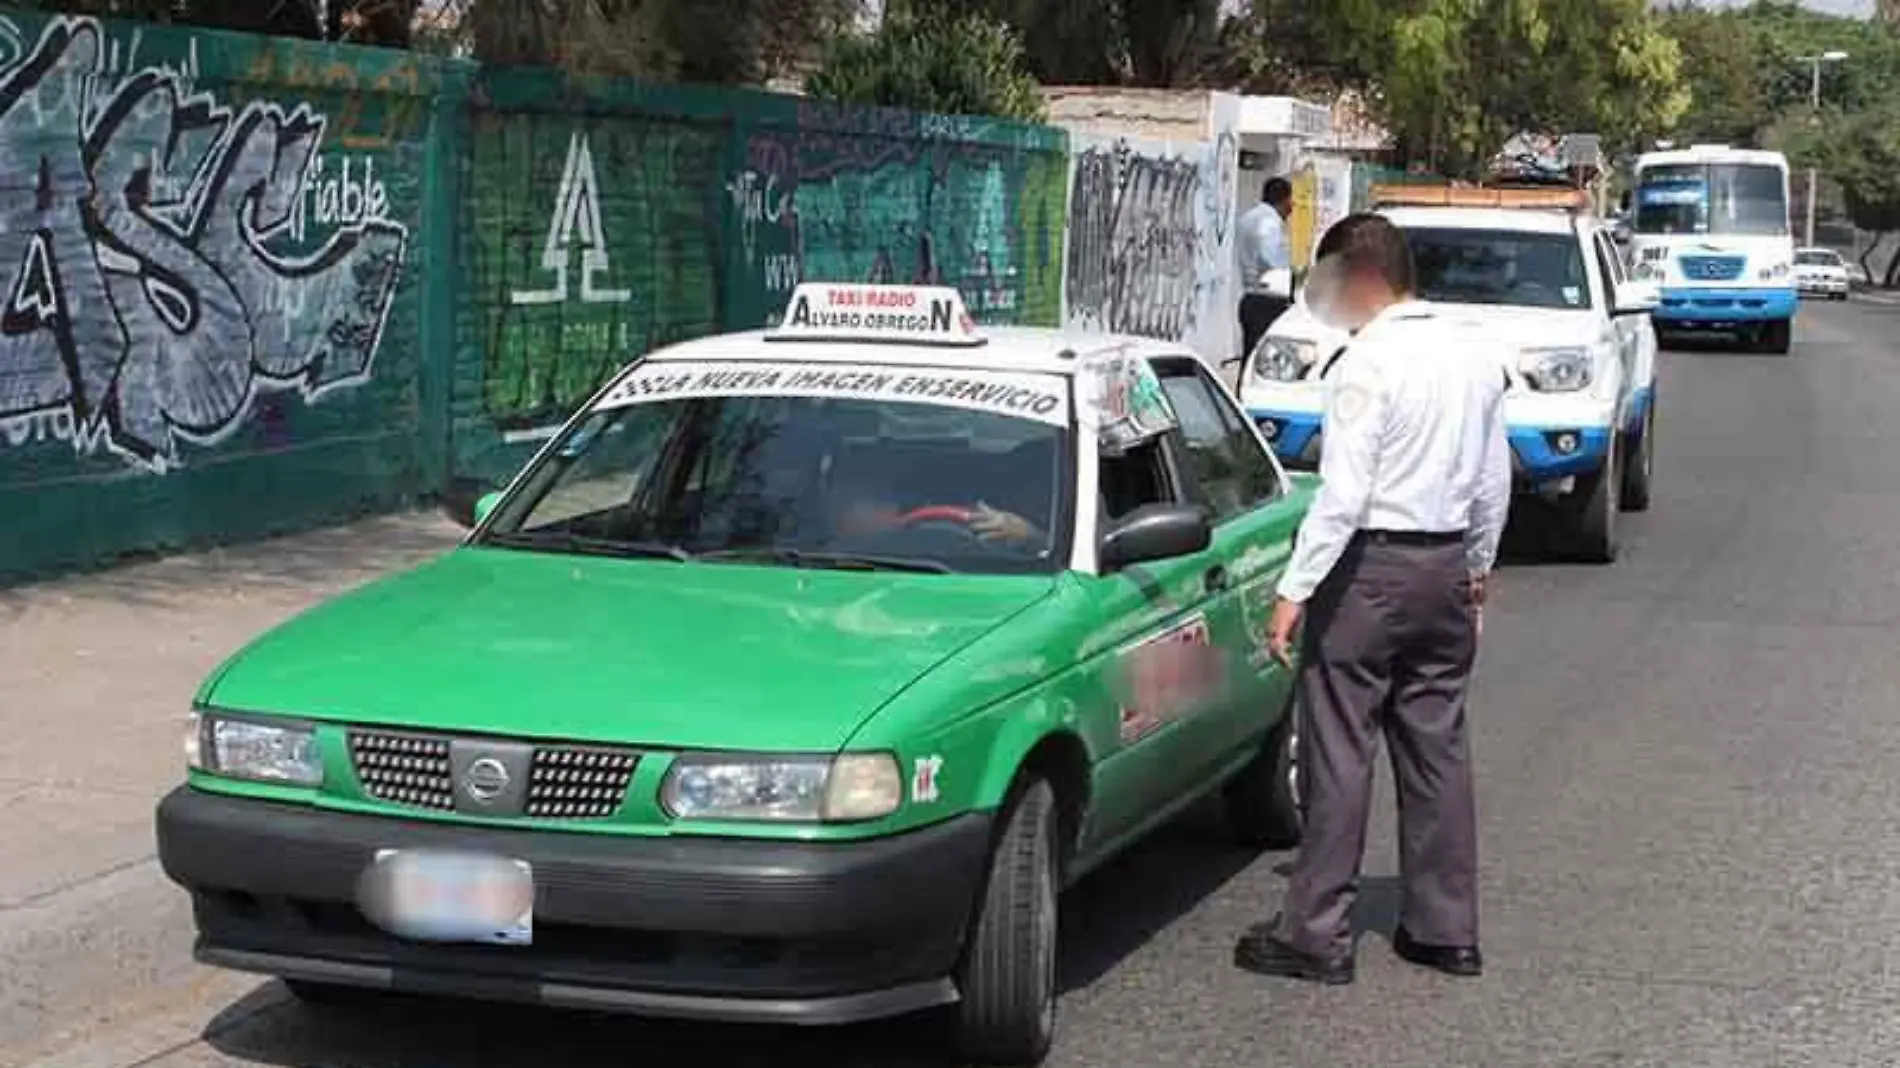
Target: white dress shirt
[1263, 247]
[1414, 441]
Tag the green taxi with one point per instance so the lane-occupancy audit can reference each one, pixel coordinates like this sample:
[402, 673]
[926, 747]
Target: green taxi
[789, 682]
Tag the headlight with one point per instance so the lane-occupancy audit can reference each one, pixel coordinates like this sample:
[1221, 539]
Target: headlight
[1779, 270]
[814, 789]
[1282, 360]
[1557, 370]
[254, 749]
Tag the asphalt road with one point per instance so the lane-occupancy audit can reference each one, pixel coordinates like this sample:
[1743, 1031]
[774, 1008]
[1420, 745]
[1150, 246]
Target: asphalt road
[1689, 765]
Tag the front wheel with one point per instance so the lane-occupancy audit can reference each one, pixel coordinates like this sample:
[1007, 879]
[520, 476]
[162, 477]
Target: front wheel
[1007, 981]
[1636, 473]
[1777, 336]
[1592, 510]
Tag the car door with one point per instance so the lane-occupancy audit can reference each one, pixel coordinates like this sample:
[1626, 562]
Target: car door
[1150, 619]
[1625, 327]
[1229, 471]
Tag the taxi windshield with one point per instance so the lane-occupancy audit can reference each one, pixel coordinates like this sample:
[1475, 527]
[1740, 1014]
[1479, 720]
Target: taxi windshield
[1517, 268]
[1818, 258]
[800, 481]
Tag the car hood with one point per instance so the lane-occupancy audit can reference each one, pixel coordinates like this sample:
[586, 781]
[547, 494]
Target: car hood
[647, 652]
[1516, 327]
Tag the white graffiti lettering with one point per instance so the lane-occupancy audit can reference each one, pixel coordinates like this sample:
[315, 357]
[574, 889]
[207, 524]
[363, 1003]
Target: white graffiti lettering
[575, 224]
[340, 194]
[148, 293]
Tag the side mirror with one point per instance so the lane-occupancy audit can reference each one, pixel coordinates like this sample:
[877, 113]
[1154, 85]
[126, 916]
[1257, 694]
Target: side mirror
[1278, 283]
[1620, 234]
[1155, 532]
[468, 502]
[1636, 298]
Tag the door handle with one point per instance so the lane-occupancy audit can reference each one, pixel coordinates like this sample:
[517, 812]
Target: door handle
[1215, 578]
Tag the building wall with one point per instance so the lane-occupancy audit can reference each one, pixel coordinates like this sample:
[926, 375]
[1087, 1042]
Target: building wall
[258, 285]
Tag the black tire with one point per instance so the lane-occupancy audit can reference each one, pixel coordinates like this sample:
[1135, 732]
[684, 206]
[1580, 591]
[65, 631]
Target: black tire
[1638, 470]
[1263, 801]
[1776, 336]
[1007, 980]
[1593, 508]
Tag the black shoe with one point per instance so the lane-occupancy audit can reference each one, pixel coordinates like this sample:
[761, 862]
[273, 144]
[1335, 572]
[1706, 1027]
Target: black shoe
[1452, 960]
[1260, 952]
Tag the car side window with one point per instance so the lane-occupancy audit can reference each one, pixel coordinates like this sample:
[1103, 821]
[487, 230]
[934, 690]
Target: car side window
[1230, 469]
[1135, 477]
[1606, 263]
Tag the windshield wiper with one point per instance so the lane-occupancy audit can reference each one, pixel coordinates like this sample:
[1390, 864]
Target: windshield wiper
[583, 545]
[830, 560]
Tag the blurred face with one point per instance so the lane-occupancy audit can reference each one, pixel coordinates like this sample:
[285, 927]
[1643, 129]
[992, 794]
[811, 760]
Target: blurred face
[1342, 299]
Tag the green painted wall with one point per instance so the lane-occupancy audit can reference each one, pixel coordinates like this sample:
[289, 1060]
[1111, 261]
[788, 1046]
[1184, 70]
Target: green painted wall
[261, 285]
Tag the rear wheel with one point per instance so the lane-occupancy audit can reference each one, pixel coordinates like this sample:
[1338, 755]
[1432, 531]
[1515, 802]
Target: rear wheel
[1007, 981]
[1263, 801]
[1592, 511]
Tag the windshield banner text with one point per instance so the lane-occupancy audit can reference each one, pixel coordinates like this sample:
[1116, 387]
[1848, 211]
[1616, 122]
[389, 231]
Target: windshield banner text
[1042, 398]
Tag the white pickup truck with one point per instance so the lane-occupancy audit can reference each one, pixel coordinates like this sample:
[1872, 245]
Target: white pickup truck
[1545, 280]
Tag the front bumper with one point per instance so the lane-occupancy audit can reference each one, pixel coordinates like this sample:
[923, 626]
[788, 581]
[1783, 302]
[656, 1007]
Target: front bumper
[1829, 286]
[1716, 307]
[704, 928]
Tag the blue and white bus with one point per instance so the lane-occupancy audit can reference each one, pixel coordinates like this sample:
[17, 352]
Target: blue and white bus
[1710, 224]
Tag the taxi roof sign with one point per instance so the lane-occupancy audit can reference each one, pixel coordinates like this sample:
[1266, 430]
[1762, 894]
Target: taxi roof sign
[903, 315]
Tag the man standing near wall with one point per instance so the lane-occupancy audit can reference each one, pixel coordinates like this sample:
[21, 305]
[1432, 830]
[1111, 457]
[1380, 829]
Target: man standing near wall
[1262, 245]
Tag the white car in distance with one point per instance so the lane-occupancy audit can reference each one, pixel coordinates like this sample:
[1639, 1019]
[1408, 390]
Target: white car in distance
[1536, 270]
[1821, 272]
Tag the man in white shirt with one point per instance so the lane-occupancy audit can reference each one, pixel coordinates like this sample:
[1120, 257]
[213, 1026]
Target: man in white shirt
[1389, 571]
[1261, 242]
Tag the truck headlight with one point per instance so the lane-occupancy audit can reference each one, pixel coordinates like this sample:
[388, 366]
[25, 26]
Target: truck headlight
[1282, 360]
[255, 749]
[1779, 270]
[1557, 370]
[797, 789]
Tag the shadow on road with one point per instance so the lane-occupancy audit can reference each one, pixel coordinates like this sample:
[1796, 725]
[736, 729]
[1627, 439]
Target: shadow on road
[1106, 917]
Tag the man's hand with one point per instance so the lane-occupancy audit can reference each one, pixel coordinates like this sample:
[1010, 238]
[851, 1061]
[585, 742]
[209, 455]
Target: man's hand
[1286, 619]
[1477, 591]
[994, 524]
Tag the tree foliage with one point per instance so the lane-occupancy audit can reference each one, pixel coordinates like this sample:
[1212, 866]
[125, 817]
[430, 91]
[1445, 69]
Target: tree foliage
[1141, 43]
[959, 64]
[373, 22]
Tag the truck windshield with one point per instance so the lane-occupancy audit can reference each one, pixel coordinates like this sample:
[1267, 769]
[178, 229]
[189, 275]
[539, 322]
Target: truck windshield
[1525, 269]
[797, 481]
[1712, 198]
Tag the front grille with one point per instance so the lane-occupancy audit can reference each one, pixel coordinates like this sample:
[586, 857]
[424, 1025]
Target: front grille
[409, 769]
[565, 782]
[1712, 268]
[571, 782]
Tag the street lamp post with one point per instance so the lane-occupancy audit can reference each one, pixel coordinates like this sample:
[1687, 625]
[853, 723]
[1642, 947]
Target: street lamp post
[1814, 104]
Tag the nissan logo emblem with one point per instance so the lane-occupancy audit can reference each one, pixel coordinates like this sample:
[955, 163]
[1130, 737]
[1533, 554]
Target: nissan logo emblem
[485, 779]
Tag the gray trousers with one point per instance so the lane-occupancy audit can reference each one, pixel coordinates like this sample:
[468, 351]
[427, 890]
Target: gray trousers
[1389, 642]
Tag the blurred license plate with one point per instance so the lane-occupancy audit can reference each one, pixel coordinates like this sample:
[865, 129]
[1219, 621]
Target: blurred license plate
[435, 896]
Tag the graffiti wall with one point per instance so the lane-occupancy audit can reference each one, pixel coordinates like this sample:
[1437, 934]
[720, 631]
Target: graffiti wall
[199, 284]
[597, 229]
[1150, 240]
[588, 242]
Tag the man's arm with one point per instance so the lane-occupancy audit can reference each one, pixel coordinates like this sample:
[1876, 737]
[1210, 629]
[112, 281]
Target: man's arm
[1353, 425]
[1491, 504]
[1274, 254]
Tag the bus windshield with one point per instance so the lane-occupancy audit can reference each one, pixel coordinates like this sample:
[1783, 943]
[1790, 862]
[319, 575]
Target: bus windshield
[1712, 198]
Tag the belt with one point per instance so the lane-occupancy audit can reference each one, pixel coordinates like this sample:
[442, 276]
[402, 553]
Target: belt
[1413, 537]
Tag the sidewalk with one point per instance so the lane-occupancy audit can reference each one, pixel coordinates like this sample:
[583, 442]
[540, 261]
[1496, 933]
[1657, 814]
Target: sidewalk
[97, 672]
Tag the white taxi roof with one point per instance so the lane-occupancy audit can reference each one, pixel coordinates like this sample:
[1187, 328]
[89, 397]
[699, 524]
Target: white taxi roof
[915, 344]
[1035, 349]
[1519, 220]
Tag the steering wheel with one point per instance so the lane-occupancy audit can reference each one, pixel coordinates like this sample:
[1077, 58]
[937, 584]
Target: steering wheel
[953, 516]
